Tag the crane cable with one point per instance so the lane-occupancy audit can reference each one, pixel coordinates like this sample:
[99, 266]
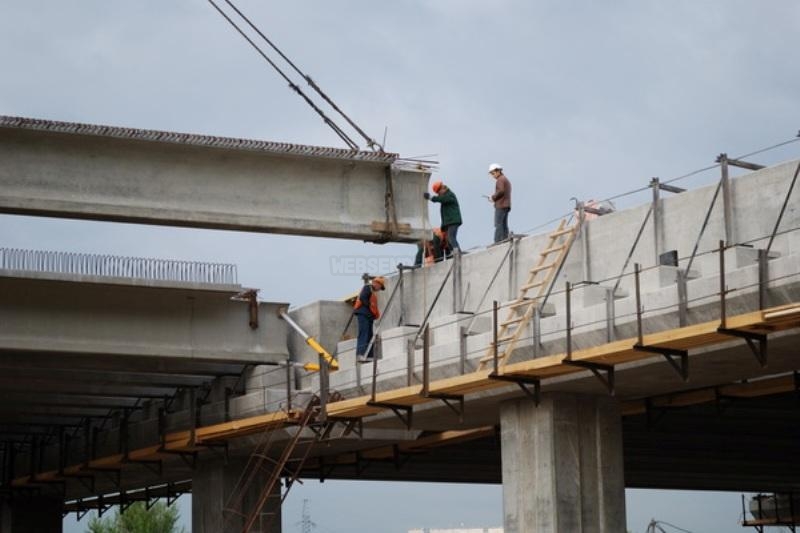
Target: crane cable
[292, 85]
[370, 141]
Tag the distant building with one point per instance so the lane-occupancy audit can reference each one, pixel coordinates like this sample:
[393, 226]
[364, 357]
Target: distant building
[459, 530]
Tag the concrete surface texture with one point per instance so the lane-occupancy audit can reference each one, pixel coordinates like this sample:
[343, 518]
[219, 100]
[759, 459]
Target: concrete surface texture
[121, 174]
[155, 358]
[92, 316]
[497, 272]
[562, 465]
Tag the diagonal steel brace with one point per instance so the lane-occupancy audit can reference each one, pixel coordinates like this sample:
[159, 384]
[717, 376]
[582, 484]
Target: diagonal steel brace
[669, 354]
[523, 382]
[760, 351]
[403, 412]
[597, 369]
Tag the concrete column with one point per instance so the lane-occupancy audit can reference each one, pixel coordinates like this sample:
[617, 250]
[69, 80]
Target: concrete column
[213, 487]
[26, 513]
[562, 465]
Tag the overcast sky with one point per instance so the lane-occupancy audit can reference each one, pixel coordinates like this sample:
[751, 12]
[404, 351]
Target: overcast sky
[573, 98]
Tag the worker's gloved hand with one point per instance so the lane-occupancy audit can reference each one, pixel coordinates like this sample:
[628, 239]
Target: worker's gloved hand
[426, 195]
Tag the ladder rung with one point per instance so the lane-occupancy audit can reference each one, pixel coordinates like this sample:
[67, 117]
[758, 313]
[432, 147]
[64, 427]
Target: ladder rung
[513, 321]
[534, 270]
[553, 249]
[506, 338]
[531, 285]
[564, 231]
[487, 358]
[522, 302]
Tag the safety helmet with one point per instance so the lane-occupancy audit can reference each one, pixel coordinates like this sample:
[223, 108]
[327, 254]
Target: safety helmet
[495, 166]
[380, 280]
[437, 186]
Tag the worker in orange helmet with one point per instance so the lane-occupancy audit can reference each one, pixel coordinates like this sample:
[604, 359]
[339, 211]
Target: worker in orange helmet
[366, 311]
[429, 251]
[450, 213]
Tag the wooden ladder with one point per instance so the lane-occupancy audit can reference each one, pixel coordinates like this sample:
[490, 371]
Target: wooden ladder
[286, 464]
[532, 291]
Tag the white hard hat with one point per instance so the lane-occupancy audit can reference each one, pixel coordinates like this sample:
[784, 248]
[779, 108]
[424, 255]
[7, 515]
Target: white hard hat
[495, 166]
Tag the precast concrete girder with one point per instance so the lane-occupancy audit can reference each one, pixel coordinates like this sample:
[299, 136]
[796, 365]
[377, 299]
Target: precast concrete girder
[65, 318]
[58, 409]
[128, 175]
[51, 360]
[25, 375]
[78, 394]
[46, 386]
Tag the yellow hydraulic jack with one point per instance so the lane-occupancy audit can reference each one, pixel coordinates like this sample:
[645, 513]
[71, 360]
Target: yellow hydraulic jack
[333, 364]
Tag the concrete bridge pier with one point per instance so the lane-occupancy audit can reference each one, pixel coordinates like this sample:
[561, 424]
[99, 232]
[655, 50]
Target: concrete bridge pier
[562, 465]
[28, 513]
[214, 484]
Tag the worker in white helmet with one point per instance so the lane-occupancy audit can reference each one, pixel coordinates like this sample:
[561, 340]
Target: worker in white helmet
[501, 200]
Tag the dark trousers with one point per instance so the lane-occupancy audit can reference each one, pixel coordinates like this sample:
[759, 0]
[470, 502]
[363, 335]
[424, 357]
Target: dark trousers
[364, 334]
[452, 237]
[501, 223]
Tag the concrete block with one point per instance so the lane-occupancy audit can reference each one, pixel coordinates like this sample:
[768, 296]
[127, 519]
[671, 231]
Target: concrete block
[346, 352]
[447, 328]
[747, 255]
[262, 376]
[395, 340]
[589, 295]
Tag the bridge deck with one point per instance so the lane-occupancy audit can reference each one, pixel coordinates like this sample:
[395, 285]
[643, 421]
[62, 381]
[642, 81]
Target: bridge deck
[613, 353]
[618, 352]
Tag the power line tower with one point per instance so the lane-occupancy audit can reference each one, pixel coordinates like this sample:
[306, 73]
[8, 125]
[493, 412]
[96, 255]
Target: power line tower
[306, 522]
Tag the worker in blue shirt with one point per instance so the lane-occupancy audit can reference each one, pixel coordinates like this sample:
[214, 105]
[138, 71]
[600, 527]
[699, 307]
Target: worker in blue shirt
[366, 311]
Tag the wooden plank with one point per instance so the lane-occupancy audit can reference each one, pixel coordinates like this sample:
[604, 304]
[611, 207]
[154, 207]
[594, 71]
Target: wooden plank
[698, 335]
[382, 227]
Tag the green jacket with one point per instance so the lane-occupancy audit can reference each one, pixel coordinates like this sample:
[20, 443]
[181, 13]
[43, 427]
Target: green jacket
[451, 213]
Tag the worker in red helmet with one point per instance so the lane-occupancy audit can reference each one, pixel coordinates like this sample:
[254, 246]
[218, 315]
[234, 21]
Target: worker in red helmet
[429, 251]
[366, 311]
[450, 213]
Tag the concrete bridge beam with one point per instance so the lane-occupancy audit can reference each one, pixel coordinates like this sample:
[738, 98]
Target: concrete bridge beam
[151, 177]
[89, 317]
[562, 465]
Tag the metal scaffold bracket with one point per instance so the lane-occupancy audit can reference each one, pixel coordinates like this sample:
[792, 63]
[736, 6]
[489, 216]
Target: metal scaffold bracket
[324, 429]
[524, 383]
[403, 412]
[759, 351]
[604, 373]
[458, 409]
[449, 399]
[670, 354]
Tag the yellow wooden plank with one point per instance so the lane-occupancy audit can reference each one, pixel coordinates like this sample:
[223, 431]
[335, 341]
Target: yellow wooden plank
[698, 335]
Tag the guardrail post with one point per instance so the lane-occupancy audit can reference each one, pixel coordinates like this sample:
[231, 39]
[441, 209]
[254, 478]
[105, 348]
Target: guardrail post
[657, 218]
[324, 389]
[536, 324]
[457, 297]
[462, 349]
[426, 361]
[610, 315]
[569, 320]
[494, 335]
[410, 351]
[722, 290]
[727, 200]
[636, 270]
[763, 278]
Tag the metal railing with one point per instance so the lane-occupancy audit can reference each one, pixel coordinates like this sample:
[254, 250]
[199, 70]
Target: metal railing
[116, 266]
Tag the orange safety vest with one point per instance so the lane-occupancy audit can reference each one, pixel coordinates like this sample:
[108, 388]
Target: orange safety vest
[373, 303]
